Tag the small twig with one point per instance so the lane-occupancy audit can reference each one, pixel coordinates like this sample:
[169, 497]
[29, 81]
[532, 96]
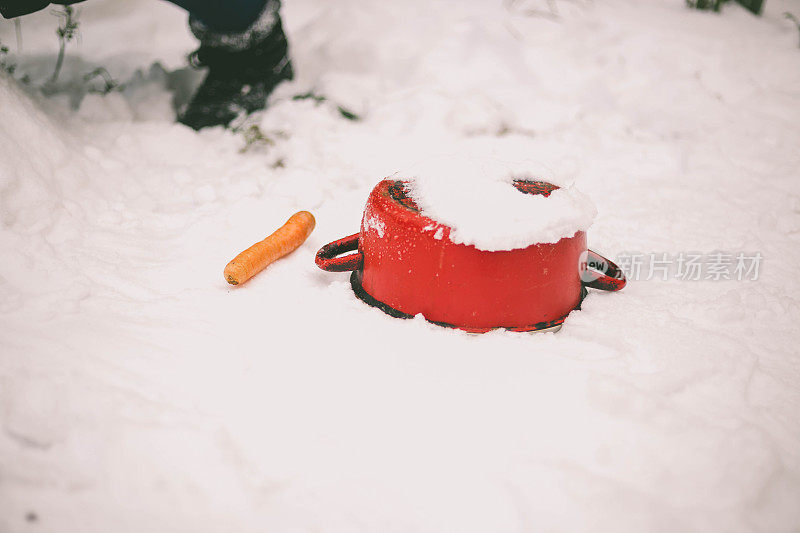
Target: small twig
[66, 31]
[794, 19]
[346, 113]
[110, 82]
[309, 96]
[18, 31]
[318, 99]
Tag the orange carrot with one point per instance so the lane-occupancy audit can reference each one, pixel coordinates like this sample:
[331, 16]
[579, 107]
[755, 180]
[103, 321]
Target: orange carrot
[285, 240]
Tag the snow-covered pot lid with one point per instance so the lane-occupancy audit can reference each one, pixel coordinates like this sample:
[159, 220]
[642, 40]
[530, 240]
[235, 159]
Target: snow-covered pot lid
[487, 210]
[460, 273]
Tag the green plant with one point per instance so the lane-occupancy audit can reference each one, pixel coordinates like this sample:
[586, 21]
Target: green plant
[67, 31]
[254, 136]
[794, 19]
[6, 65]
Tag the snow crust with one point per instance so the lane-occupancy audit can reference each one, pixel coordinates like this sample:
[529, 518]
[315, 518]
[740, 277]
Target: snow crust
[139, 392]
[477, 200]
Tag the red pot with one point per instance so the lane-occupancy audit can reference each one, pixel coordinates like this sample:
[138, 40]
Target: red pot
[406, 264]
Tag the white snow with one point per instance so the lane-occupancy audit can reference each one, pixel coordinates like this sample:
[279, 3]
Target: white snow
[477, 200]
[140, 392]
[375, 224]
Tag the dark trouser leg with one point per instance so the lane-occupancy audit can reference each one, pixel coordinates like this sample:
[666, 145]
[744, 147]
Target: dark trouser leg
[223, 15]
[244, 66]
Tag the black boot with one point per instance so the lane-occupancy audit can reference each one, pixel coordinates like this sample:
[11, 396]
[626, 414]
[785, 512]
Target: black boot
[243, 69]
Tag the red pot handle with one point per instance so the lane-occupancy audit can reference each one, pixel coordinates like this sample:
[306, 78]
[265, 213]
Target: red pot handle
[601, 273]
[328, 256]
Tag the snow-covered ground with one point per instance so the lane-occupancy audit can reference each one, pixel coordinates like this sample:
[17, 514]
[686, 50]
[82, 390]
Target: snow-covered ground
[139, 392]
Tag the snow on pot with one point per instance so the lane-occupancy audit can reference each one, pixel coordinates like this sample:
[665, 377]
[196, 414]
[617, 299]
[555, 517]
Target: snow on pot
[506, 254]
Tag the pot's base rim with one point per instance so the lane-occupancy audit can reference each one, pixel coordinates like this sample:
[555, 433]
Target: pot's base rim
[551, 326]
